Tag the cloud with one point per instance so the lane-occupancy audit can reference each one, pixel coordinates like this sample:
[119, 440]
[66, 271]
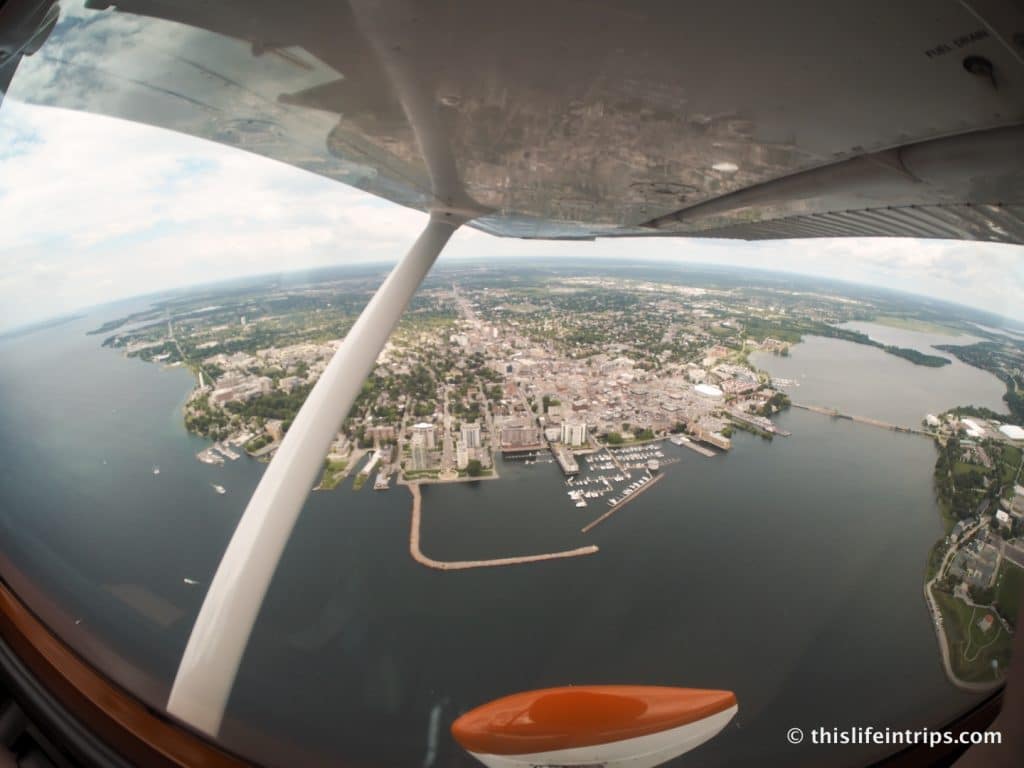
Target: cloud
[93, 209]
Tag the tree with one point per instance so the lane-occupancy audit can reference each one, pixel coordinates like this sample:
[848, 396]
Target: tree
[614, 438]
[474, 468]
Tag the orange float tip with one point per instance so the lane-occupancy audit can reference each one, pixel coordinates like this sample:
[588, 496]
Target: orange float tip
[552, 719]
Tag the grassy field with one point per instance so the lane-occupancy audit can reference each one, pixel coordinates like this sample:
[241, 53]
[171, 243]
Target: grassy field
[1010, 464]
[334, 473]
[972, 651]
[1009, 588]
[421, 474]
[962, 468]
[914, 324]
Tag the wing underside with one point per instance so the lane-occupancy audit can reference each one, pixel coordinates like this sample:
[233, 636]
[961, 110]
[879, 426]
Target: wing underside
[552, 120]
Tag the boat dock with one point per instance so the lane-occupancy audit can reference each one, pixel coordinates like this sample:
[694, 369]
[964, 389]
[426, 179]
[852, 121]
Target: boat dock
[508, 451]
[209, 456]
[565, 460]
[694, 446]
[760, 424]
[616, 507]
[461, 565]
[224, 451]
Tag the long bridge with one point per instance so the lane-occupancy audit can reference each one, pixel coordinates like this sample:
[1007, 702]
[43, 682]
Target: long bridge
[836, 414]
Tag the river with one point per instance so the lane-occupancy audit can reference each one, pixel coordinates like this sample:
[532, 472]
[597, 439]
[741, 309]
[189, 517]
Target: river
[861, 380]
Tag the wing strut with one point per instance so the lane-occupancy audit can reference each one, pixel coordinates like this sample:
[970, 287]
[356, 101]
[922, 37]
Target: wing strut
[221, 632]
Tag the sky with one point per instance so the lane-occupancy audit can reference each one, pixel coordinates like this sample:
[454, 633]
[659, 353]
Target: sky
[94, 209]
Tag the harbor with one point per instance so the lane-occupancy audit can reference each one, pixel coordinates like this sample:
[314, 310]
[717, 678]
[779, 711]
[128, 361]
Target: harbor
[461, 565]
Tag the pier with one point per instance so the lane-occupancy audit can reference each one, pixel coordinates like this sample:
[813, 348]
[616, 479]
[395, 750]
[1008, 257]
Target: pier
[616, 462]
[565, 460]
[654, 481]
[513, 450]
[835, 414]
[694, 446]
[461, 565]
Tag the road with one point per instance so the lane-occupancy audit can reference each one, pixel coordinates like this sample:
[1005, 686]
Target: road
[447, 447]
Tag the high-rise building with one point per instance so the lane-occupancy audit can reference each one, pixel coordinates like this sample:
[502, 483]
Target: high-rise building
[517, 433]
[461, 455]
[471, 435]
[420, 456]
[574, 433]
[429, 433]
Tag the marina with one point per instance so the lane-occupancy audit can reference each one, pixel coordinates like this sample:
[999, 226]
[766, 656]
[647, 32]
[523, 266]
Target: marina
[611, 472]
[632, 492]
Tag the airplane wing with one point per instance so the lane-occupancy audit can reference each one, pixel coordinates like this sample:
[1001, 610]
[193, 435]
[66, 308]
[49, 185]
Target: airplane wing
[664, 118]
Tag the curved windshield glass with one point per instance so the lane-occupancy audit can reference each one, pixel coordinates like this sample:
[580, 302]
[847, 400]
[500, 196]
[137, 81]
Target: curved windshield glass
[789, 469]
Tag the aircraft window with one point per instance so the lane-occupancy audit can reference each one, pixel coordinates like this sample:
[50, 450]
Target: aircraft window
[791, 470]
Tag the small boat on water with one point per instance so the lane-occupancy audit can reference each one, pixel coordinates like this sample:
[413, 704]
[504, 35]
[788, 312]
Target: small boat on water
[156, 469]
[219, 488]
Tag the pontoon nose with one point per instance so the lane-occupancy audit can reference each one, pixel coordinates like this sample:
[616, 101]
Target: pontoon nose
[605, 725]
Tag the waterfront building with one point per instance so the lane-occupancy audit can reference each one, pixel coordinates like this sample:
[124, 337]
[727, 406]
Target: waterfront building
[516, 433]
[428, 432]
[461, 455]
[471, 435]
[420, 455]
[716, 439]
[574, 433]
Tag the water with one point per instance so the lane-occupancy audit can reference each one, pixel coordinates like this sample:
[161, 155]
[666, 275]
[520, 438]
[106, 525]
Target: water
[865, 381]
[789, 572]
